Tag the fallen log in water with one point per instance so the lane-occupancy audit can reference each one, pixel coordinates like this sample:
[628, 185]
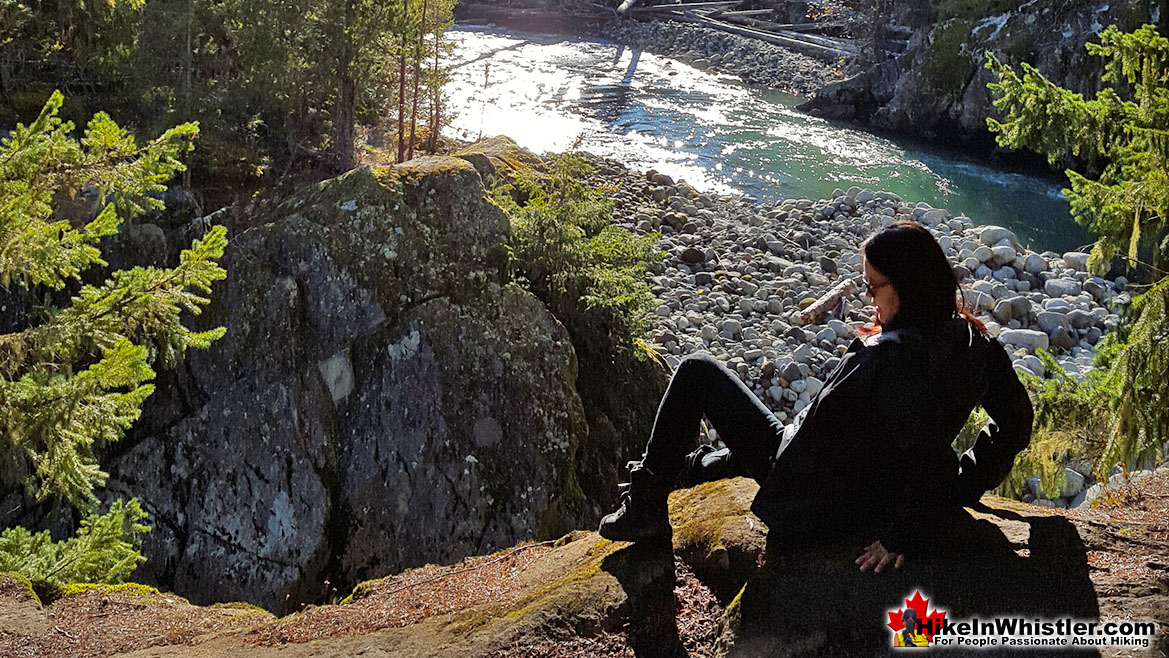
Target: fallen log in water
[742, 12]
[784, 29]
[744, 17]
[690, 5]
[828, 42]
[794, 41]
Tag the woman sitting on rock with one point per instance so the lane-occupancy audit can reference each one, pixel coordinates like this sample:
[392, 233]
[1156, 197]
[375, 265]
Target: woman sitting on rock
[870, 459]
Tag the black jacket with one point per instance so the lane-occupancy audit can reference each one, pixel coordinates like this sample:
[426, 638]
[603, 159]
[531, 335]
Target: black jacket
[871, 457]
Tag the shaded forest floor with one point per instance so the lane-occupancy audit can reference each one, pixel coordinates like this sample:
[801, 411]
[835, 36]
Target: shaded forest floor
[569, 597]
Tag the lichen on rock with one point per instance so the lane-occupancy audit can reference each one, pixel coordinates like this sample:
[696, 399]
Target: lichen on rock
[331, 435]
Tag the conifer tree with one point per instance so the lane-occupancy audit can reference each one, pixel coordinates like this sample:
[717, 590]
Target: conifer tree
[76, 376]
[1123, 133]
[1127, 205]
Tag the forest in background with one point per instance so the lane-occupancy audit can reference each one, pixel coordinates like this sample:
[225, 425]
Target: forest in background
[279, 88]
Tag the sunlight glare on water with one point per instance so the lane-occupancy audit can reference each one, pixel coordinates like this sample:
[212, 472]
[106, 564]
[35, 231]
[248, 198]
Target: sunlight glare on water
[554, 93]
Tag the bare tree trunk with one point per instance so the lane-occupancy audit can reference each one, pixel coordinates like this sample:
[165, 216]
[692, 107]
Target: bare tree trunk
[435, 90]
[346, 156]
[343, 119]
[417, 79]
[188, 58]
[402, 100]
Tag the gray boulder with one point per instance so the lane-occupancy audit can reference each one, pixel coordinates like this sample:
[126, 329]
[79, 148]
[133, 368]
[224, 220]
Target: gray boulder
[1032, 340]
[1098, 291]
[992, 235]
[380, 400]
[1003, 254]
[1061, 287]
[1076, 260]
[1003, 311]
[1073, 483]
[1034, 264]
[1063, 339]
[1049, 321]
[1080, 319]
[1034, 364]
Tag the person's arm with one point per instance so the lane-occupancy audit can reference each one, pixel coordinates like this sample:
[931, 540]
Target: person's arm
[1005, 434]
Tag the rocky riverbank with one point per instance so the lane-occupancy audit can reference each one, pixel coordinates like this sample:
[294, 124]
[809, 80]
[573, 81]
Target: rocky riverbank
[738, 276]
[754, 61]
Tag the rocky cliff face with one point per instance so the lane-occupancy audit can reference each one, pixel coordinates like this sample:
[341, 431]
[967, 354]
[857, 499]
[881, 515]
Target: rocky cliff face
[382, 399]
[936, 88]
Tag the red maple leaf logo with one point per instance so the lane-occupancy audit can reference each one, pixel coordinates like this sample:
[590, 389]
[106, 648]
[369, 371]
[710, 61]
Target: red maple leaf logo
[930, 623]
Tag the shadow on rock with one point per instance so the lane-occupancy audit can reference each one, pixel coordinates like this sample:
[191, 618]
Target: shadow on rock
[817, 603]
[646, 572]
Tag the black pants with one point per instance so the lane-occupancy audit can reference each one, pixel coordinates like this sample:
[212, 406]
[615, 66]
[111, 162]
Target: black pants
[702, 385]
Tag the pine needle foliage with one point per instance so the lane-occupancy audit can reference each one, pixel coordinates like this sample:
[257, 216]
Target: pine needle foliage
[76, 377]
[566, 249]
[1127, 205]
[104, 550]
[1068, 424]
[1123, 133]
[1139, 383]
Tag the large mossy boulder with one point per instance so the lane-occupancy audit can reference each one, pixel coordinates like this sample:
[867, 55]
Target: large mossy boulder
[620, 386]
[382, 399]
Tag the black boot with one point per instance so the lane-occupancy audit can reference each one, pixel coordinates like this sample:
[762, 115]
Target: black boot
[644, 512]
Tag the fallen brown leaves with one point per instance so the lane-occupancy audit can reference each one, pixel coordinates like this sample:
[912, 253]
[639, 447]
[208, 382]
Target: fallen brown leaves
[411, 597]
[96, 624]
[1138, 513]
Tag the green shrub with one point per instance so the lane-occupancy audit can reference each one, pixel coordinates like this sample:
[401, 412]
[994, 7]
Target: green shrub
[74, 378]
[1122, 412]
[567, 251]
[1138, 383]
[104, 550]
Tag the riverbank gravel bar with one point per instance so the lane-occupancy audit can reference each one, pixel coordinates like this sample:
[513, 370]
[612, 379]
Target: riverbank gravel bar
[737, 275]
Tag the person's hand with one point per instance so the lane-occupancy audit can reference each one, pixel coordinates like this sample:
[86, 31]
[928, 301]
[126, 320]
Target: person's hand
[877, 558]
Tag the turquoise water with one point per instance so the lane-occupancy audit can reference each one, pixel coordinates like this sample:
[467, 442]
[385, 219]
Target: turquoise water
[550, 93]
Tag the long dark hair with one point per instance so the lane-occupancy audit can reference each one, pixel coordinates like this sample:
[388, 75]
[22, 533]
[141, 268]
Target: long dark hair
[927, 287]
[909, 619]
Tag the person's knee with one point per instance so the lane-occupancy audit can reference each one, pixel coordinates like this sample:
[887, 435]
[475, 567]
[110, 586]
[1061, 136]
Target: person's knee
[698, 361]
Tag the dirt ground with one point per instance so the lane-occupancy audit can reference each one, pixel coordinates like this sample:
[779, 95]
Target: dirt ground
[426, 611]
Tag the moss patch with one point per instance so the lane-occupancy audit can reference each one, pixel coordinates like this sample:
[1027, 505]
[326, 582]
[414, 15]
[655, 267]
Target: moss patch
[716, 534]
[13, 584]
[948, 65]
[131, 589]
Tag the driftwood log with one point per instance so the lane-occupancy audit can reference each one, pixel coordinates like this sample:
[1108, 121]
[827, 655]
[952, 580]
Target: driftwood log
[826, 302]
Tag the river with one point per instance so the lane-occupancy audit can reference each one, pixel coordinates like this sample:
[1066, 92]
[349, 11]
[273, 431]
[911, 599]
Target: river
[550, 93]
